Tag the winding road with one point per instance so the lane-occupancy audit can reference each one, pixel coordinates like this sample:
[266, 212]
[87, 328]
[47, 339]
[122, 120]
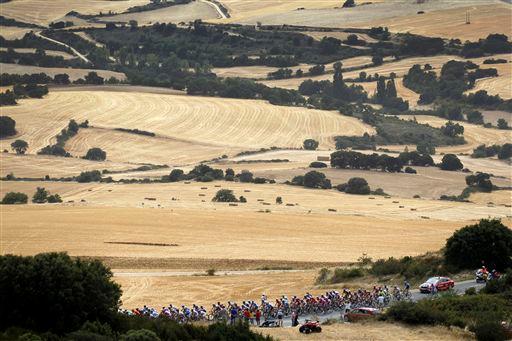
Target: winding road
[75, 52]
[214, 5]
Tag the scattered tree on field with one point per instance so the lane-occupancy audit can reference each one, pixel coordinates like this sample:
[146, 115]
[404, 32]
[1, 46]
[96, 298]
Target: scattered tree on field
[13, 198]
[224, 195]
[310, 144]
[19, 146]
[95, 154]
[451, 162]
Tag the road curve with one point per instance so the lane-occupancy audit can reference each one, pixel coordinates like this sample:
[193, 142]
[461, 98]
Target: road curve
[75, 52]
[214, 5]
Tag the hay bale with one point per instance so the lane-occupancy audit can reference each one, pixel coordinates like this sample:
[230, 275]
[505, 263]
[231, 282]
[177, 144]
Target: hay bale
[424, 217]
[290, 205]
[217, 186]
[371, 198]
[387, 197]
[413, 209]
[266, 203]
[260, 199]
[204, 187]
[202, 195]
[396, 202]
[247, 190]
[401, 206]
[332, 210]
[150, 199]
[233, 204]
[187, 182]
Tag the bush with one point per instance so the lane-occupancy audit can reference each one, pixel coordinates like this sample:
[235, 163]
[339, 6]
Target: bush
[95, 154]
[40, 196]
[246, 176]
[224, 195]
[89, 176]
[279, 200]
[19, 146]
[410, 170]
[316, 179]
[7, 126]
[505, 151]
[259, 180]
[488, 241]
[489, 331]
[310, 144]
[13, 198]
[316, 164]
[341, 275]
[68, 291]
[54, 198]
[451, 162]
[502, 124]
[357, 186]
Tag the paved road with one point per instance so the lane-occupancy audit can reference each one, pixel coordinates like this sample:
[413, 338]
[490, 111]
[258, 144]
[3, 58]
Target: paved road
[460, 288]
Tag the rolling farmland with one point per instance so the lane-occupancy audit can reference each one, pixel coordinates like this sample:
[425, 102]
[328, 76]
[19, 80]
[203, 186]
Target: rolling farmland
[206, 121]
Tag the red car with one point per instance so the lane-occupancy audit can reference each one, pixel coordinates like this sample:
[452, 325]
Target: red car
[361, 314]
[440, 283]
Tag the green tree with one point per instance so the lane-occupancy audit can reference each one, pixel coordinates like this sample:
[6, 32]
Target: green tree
[377, 60]
[349, 3]
[426, 148]
[505, 151]
[489, 241]
[20, 146]
[7, 126]
[40, 196]
[52, 292]
[357, 186]
[224, 195]
[310, 144]
[475, 117]
[246, 176]
[451, 162]
[54, 198]
[13, 198]
[316, 179]
[502, 124]
[96, 154]
[175, 175]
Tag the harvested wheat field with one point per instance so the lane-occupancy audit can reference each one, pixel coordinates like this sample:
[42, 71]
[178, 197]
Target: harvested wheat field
[375, 331]
[63, 54]
[126, 147]
[13, 32]
[227, 123]
[441, 18]
[297, 200]
[492, 116]
[224, 233]
[44, 12]
[38, 166]
[503, 197]
[176, 14]
[74, 74]
[487, 18]
[501, 85]
[261, 72]
[475, 135]
[400, 68]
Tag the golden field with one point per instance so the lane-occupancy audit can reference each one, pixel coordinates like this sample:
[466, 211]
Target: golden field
[203, 121]
[74, 74]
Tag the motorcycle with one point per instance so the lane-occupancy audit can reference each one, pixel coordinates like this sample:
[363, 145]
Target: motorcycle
[481, 277]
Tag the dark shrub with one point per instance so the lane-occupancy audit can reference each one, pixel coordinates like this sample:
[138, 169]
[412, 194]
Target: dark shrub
[260, 180]
[89, 176]
[246, 176]
[19, 146]
[224, 195]
[489, 331]
[317, 164]
[13, 198]
[451, 162]
[357, 186]
[40, 196]
[7, 126]
[310, 144]
[316, 179]
[468, 247]
[410, 170]
[95, 154]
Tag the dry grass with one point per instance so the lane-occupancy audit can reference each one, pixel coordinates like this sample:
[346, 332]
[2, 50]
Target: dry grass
[37, 166]
[441, 18]
[371, 331]
[223, 233]
[261, 72]
[52, 71]
[500, 85]
[319, 35]
[43, 12]
[492, 116]
[63, 54]
[12, 32]
[475, 135]
[216, 122]
[180, 13]
[126, 147]
[503, 197]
